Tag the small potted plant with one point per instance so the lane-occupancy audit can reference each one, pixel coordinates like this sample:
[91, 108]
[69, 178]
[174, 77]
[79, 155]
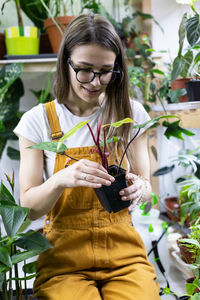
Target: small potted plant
[17, 246]
[21, 40]
[100, 147]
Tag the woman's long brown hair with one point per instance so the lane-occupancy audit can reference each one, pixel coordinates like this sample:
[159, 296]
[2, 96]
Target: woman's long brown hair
[95, 29]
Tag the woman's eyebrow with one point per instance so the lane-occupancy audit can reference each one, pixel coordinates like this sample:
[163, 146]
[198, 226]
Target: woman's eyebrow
[91, 65]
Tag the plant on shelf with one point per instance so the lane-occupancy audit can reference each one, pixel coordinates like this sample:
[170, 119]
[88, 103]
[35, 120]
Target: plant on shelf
[115, 203]
[57, 21]
[186, 205]
[17, 246]
[21, 40]
[185, 68]
[11, 90]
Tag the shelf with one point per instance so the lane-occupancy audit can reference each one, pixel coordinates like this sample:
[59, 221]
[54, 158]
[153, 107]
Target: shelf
[40, 65]
[187, 112]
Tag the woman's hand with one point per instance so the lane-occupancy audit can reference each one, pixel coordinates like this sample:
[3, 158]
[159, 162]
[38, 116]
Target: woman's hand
[134, 191]
[84, 173]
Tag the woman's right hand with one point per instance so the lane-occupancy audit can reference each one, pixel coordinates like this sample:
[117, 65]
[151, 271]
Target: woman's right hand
[83, 173]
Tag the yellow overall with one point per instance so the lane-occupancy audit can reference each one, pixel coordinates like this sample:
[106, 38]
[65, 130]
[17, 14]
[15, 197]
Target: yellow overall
[95, 255]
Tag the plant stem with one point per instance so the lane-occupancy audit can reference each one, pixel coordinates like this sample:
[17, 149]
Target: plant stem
[126, 149]
[52, 17]
[63, 153]
[16, 275]
[19, 15]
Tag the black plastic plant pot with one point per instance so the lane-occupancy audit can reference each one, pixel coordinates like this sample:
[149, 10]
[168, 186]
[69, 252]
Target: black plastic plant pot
[193, 90]
[109, 195]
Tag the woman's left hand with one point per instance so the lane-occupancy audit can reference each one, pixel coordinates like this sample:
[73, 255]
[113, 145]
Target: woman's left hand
[134, 191]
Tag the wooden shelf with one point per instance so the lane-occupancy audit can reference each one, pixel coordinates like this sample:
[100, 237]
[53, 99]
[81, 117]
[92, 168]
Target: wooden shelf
[39, 65]
[187, 112]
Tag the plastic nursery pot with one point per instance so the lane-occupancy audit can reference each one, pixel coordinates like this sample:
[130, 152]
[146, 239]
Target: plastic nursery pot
[109, 195]
[22, 40]
[193, 90]
[2, 45]
[172, 208]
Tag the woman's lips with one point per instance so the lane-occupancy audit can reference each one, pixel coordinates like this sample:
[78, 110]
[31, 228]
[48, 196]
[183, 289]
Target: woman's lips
[91, 92]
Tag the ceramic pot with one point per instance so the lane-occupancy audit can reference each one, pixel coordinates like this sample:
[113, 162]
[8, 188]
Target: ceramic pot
[109, 195]
[172, 208]
[22, 40]
[54, 34]
[179, 83]
[193, 90]
[2, 45]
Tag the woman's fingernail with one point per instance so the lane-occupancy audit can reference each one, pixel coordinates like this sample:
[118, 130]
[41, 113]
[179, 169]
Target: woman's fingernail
[124, 198]
[121, 193]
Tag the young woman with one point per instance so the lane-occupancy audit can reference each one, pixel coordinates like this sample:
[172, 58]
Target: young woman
[94, 254]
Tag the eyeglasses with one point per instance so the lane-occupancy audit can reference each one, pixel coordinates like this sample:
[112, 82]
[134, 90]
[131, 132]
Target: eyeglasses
[87, 75]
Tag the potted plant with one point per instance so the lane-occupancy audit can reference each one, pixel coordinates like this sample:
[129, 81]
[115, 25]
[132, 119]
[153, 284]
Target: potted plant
[21, 40]
[36, 12]
[11, 90]
[186, 204]
[109, 204]
[17, 246]
[57, 21]
[185, 66]
[131, 29]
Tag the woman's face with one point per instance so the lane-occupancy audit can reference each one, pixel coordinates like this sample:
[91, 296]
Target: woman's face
[90, 57]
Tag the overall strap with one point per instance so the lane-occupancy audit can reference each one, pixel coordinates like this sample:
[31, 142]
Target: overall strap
[54, 124]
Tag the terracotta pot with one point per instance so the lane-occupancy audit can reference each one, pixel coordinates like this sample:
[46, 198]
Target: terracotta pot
[179, 83]
[2, 45]
[185, 254]
[54, 34]
[45, 45]
[172, 208]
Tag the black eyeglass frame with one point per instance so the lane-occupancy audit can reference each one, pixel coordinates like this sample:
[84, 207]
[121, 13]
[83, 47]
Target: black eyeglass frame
[76, 70]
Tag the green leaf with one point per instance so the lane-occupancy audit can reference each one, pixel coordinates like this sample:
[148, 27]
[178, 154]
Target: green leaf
[190, 288]
[13, 217]
[30, 267]
[193, 30]
[2, 277]
[173, 129]
[5, 196]
[17, 258]
[175, 94]
[181, 33]
[166, 291]
[119, 123]
[5, 257]
[164, 170]
[50, 146]
[8, 74]
[177, 68]
[69, 133]
[195, 297]
[13, 153]
[33, 240]
[188, 59]
[154, 121]
[155, 199]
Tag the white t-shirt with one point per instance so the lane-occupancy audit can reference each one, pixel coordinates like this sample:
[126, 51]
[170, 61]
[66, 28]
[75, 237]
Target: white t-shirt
[34, 126]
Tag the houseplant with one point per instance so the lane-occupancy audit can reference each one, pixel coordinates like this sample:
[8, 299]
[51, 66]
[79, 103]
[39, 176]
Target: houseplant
[11, 90]
[57, 21]
[187, 202]
[186, 66]
[37, 14]
[16, 246]
[21, 40]
[101, 148]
